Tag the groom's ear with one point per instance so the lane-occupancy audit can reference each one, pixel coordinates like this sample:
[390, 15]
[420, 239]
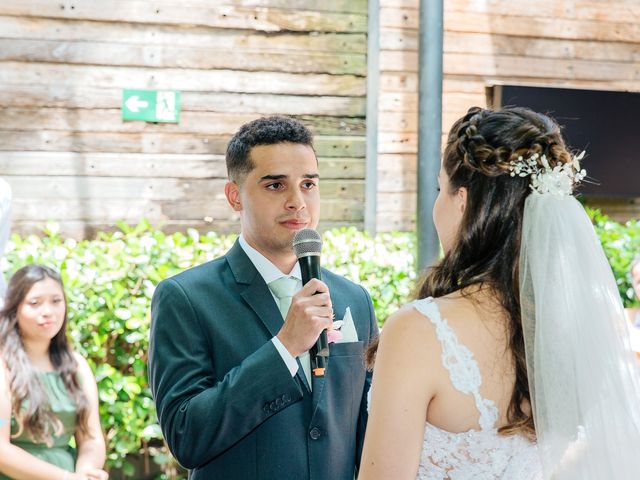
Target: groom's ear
[461, 199]
[232, 192]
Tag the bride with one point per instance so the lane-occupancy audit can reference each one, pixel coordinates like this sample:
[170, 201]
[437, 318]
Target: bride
[515, 361]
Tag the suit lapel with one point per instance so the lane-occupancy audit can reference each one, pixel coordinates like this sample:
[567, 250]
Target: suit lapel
[256, 293]
[258, 296]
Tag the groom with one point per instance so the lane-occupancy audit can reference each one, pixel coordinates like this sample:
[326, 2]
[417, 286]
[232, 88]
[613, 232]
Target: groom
[228, 356]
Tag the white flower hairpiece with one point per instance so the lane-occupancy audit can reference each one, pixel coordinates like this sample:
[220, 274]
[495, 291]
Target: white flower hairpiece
[558, 180]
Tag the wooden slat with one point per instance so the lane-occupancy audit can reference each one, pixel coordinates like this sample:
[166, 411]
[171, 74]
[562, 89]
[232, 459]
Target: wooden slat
[399, 61]
[514, 66]
[396, 211]
[182, 79]
[395, 164]
[398, 18]
[407, 103]
[112, 165]
[400, 39]
[399, 81]
[541, 27]
[534, 24]
[350, 6]
[397, 173]
[147, 165]
[394, 142]
[134, 210]
[65, 141]
[396, 222]
[398, 102]
[172, 189]
[342, 168]
[482, 43]
[406, 4]
[398, 122]
[463, 84]
[136, 34]
[604, 12]
[625, 11]
[110, 120]
[397, 202]
[610, 84]
[212, 15]
[85, 96]
[159, 56]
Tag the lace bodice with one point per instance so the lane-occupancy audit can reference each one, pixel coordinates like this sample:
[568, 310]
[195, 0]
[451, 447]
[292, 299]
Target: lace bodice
[475, 454]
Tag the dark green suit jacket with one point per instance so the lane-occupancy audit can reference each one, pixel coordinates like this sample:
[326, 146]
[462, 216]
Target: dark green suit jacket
[227, 404]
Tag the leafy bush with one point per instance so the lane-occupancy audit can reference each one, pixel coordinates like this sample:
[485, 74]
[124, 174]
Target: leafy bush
[109, 283]
[621, 243]
[110, 280]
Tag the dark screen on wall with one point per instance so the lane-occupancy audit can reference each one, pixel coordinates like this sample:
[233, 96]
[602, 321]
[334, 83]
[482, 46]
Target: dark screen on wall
[605, 124]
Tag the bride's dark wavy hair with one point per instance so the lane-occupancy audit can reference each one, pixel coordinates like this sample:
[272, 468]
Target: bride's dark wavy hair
[29, 402]
[486, 253]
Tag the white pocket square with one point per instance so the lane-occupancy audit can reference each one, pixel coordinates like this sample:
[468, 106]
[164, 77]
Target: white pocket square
[346, 328]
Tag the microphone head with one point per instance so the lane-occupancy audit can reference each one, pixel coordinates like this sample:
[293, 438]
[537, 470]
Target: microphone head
[307, 243]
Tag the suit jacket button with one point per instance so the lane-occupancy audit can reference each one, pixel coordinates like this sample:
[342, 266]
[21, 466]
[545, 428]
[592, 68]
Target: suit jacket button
[279, 402]
[266, 408]
[286, 398]
[315, 433]
[272, 405]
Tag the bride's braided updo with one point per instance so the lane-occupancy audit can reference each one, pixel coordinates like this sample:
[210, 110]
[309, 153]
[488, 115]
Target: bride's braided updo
[487, 142]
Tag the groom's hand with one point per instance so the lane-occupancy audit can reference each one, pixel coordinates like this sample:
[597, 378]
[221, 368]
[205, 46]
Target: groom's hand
[310, 313]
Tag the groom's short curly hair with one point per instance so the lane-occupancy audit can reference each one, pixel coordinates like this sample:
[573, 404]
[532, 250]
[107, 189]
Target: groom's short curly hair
[263, 131]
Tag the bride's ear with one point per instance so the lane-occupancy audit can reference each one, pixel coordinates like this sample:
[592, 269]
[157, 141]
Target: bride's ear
[461, 199]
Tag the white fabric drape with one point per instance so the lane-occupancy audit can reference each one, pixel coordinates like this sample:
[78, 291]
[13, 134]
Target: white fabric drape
[584, 379]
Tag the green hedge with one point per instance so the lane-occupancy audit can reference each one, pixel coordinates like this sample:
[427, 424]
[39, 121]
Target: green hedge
[621, 243]
[110, 280]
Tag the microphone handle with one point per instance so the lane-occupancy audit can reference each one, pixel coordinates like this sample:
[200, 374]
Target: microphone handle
[310, 268]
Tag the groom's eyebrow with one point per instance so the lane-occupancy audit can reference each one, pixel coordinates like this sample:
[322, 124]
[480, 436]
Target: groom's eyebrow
[281, 177]
[272, 177]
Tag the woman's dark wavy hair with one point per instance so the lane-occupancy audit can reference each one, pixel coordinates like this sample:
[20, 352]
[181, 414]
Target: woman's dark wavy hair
[29, 402]
[479, 149]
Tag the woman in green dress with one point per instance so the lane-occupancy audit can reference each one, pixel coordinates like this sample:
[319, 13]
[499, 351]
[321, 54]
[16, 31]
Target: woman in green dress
[47, 391]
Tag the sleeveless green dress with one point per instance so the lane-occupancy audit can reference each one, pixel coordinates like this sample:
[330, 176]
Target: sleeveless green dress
[60, 453]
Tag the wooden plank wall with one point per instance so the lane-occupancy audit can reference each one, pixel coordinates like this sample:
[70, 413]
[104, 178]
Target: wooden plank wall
[562, 43]
[70, 158]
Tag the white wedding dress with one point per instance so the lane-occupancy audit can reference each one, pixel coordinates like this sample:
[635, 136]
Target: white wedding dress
[475, 454]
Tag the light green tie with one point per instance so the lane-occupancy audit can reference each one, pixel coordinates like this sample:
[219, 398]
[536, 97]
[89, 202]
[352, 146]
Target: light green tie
[283, 289]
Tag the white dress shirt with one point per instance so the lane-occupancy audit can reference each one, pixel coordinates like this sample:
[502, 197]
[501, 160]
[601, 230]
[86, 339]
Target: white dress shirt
[271, 273]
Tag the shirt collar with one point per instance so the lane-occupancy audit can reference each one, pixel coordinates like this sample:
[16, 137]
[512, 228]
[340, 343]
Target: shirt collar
[266, 269]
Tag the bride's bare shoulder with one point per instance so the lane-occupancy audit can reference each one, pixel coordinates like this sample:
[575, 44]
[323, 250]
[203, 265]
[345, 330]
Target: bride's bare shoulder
[408, 329]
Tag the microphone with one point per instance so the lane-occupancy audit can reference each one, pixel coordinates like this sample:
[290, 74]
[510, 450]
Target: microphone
[307, 245]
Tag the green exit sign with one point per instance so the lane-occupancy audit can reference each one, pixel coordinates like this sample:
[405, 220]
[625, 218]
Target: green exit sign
[151, 105]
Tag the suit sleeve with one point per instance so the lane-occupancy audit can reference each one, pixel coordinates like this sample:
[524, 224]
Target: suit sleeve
[200, 414]
[364, 403]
